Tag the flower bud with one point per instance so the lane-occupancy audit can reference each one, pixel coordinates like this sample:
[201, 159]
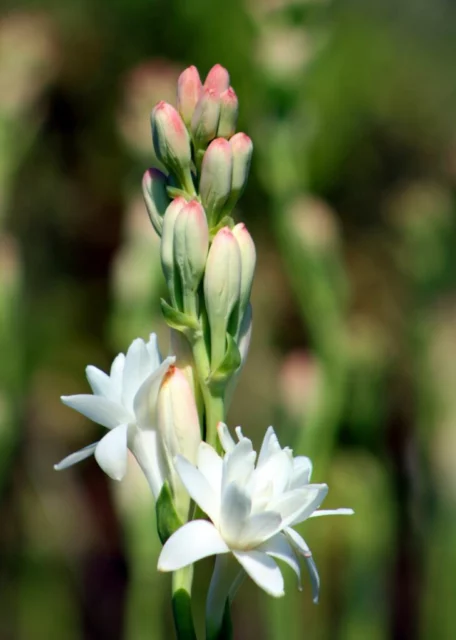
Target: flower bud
[179, 429]
[189, 89]
[229, 109]
[191, 244]
[167, 249]
[156, 197]
[172, 142]
[206, 117]
[243, 343]
[216, 176]
[241, 147]
[248, 260]
[222, 282]
[218, 78]
[181, 349]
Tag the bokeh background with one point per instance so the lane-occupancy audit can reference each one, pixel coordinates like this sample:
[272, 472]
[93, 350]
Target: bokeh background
[351, 201]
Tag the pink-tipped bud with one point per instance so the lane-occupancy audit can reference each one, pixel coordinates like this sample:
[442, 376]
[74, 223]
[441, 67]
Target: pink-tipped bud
[222, 285]
[191, 244]
[216, 177]
[155, 197]
[171, 141]
[206, 117]
[248, 261]
[242, 148]
[189, 89]
[167, 249]
[229, 109]
[218, 78]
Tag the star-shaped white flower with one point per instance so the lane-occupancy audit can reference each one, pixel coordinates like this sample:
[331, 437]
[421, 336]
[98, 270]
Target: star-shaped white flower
[125, 402]
[252, 508]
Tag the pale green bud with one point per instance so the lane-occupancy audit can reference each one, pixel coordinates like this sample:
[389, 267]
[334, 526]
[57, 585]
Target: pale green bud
[229, 110]
[156, 197]
[248, 261]
[172, 143]
[206, 118]
[242, 148]
[191, 244]
[179, 430]
[243, 344]
[222, 285]
[189, 89]
[167, 249]
[216, 178]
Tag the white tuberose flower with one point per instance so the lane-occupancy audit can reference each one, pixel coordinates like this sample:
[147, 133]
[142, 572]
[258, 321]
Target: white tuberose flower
[125, 402]
[252, 509]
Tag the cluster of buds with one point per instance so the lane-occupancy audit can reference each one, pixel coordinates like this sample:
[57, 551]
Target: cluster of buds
[208, 261]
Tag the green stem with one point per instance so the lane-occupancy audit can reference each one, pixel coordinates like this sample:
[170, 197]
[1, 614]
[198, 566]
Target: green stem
[218, 617]
[182, 603]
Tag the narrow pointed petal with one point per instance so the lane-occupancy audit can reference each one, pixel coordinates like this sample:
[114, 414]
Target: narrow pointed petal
[116, 374]
[302, 547]
[292, 504]
[211, 466]
[135, 371]
[269, 447]
[100, 382]
[225, 438]
[332, 512]
[145, 400]
[298, 542]
[195, 540]
[145, 445]
[278, 547]
[154, 352]
[314, 578]
[259, 528]
[111, 452]
[76, 457]
[199, 488]
[235, 509]
[101, 410]
[263, 570]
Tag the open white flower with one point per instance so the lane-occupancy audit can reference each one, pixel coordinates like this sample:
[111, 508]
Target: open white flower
[252, 508]
[125, 402]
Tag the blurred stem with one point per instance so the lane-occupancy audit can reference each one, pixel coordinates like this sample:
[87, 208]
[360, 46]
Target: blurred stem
[182, 603]
[218, 617]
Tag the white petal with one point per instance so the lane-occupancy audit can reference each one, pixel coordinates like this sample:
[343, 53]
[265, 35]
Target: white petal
[136, 370]
[279, 548]
[116, 374]
[198, 488]
[316, 493]
[276, 470]
[145, 445]
[101, 410]
[302, 471]
[235, 509]
[259, 528]
[301, 546]
[153, 351]
[332, 512]
[238, 465]
[101, 383]
[195, 540]
[263, 570]
[73, 458]
[225, 438]
[211, 466]
[269, 447]
[291, 504]
[111, 452]
[145, 400]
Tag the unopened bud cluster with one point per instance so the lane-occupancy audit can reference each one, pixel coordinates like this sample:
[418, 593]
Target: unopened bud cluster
[207, 260]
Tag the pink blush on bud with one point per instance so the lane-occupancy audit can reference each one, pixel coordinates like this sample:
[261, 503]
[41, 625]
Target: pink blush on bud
[218, 79]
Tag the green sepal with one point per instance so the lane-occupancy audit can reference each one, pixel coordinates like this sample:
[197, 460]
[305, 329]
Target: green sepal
[231, 361]
[175, 192]
[177, 319]
[167, 519]
[226, 221]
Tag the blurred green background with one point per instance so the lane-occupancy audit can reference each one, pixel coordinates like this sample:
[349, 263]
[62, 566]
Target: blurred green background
[351, 202]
